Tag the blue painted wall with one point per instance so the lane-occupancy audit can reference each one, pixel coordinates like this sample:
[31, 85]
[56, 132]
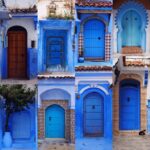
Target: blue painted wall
[53, 27]
[22, 142]
[107, 111]
[31, 63]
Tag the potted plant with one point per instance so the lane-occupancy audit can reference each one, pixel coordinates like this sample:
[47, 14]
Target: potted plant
[81, 58]
[16, 98]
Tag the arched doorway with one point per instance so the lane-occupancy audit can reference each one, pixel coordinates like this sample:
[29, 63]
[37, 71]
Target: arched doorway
[21, 125]
[93, 115]
[94, 40]
[129, 105]
[17, 52]
[55, 122]
[131, 29]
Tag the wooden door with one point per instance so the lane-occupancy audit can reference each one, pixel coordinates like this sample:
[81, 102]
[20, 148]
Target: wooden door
[17, 53]
[131, 24]
[129, 108]
[55, 122]
[94, 40]
[93, 115]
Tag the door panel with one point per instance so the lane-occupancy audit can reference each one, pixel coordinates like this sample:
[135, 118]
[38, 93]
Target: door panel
[21, 125]
[55, 122]
[17, 49]
[55, 52]
[94, 39]
[131, 25]
[93, 115]
[129, 109]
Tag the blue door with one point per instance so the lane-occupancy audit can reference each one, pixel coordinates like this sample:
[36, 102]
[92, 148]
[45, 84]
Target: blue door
[94, 40]
[55, 52]
[129, 108]
[148, 117]
[21, 125]
[93, 115]
[131, 26]
[55, 122]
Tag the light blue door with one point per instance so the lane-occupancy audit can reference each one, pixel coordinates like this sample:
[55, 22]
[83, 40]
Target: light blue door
[21, 125]
[55, 122]
[148, 116]
[129, 108]
[93, 115]
[131, 29]
[94, 39]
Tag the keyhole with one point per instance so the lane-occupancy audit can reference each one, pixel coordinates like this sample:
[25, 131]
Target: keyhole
[93, 107]
[50, 118]
[99, 38]
[128, 99]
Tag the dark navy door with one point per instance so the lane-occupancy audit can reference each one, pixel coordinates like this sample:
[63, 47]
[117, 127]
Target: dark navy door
[93, 115]
[21, 125]
[55, 52]
[55, 122]
[129, 108]
[94, 39]
[148, 116]
[131, 24]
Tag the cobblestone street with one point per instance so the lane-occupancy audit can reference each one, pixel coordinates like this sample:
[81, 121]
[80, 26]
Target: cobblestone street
[131, 143]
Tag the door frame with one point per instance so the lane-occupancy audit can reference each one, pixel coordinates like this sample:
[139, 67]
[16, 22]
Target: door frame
[15, 29]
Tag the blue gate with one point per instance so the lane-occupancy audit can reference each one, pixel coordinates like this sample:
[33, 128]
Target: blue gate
[129, 107]
[148, 117]
[93, 115]
[131, 26]
[55, 122]
[21, 125]
[94, 39]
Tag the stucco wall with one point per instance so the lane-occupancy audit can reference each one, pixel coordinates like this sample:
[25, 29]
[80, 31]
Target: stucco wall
[13, 4]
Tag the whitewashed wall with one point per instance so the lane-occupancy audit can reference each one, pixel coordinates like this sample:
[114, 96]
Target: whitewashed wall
[13, 4]
[28, 24]
[61, 7]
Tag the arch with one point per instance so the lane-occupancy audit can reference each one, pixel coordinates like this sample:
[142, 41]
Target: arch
[141, 11]
[96, 87]
[129, 105]
[17, 52]
[93, 108]
[54, 121]
[55, 94]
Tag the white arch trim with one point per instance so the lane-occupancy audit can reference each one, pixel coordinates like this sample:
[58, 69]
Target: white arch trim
[94, 86]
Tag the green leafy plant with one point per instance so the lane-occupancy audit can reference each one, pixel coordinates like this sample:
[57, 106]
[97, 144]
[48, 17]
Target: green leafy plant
[15, 99]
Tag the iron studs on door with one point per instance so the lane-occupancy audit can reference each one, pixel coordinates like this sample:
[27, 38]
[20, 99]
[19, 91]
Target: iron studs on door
[50, 118]
[99, 38]
[93, 107]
